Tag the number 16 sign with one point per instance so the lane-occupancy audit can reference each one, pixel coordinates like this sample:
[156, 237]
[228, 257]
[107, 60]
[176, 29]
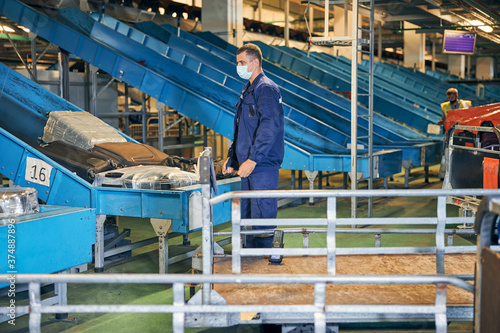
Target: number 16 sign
[38, 171]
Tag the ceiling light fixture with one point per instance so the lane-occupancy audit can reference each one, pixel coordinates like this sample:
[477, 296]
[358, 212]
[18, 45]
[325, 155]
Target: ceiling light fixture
[486, 28]
[6, 29]
[481, 25]
[476, 22]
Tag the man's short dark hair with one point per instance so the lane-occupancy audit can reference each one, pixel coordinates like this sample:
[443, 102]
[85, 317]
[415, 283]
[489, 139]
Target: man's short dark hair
[253, 52]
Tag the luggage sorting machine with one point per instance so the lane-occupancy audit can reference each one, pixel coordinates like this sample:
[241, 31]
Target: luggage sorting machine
[418, 149]
[472, 156]
[48, 239]
[62, 188]
[181, 89]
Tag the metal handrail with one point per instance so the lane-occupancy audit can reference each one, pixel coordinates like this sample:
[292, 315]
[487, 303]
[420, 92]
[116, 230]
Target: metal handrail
[331, 223]
[237, 279]
[349, 193]
[179, 309]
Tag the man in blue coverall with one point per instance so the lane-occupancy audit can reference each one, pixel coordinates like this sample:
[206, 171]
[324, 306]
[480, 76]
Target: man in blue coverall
[258, 143]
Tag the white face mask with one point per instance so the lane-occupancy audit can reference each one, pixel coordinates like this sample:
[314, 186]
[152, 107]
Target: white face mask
[243, 72]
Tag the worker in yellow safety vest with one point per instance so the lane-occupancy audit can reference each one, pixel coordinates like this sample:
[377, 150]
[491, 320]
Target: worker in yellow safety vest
[452, 104]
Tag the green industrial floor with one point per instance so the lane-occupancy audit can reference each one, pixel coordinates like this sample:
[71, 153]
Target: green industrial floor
[145, 260]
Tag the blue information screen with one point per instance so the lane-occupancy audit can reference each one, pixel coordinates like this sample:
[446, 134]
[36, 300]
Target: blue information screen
[460, 42]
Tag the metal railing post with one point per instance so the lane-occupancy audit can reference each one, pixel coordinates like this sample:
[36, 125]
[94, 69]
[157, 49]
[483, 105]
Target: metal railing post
[207, 239]
[331, 213]
[441, 225]
[236, 235]
[305, 239]
[319, 301]
[178, 317]
[35, 320]
[440, 316]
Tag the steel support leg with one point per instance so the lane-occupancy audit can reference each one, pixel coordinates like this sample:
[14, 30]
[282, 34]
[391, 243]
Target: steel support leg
[64, 74]
[127, 117]
[161, 227]
[93, 81]
[99, 244]
[61, 291]
[311, 176]
[426, 170]
[160, 106]
[186, 240]
[163, 254]
[34, 59]
[407, 166]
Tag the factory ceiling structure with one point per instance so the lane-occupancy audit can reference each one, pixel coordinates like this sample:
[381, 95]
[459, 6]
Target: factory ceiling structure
[429, 17]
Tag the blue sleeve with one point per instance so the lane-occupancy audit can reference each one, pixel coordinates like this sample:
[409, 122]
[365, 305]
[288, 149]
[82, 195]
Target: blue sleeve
[268, 110]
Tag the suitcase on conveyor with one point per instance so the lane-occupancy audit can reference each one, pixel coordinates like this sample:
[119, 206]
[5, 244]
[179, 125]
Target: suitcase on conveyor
[18, 202]
[126, 154]
[146, 177]
[80, 161]
[80, 129]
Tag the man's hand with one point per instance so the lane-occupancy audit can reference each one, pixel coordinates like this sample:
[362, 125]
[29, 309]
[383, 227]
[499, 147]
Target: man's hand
[225, 168]
[440, 122]
[246, 168]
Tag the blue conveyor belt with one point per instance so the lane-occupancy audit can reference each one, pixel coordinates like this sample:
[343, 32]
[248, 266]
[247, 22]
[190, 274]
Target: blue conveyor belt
[383, 102]
[419, 152]
[343, 69]
[465, 91]
[23, 109]
[55, 239]
[164, 42]
[190, 93]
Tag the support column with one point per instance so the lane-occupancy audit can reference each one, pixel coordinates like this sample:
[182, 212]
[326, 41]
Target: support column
[327, 19]
[127, 117]
[287, 22]
[414, 48]
[259, 10]
[93, 80]
[467, 70]
[64, 74]
[456, 65]
[433, 61]
[225, 19]
[160, 106]
[342, 27]
[379, 41]
[34, 59]
[144, 120]
[311, 18]
[485, 68]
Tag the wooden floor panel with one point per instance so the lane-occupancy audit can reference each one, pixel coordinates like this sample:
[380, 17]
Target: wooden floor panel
[417, 264]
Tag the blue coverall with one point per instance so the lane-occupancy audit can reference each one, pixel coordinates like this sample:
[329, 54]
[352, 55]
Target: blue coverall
[259, 136]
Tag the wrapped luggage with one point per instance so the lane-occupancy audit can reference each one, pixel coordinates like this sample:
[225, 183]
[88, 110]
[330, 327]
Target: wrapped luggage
[146, 177]
[80, 129]
[17, 202]
[82, 162]
[126, 154]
